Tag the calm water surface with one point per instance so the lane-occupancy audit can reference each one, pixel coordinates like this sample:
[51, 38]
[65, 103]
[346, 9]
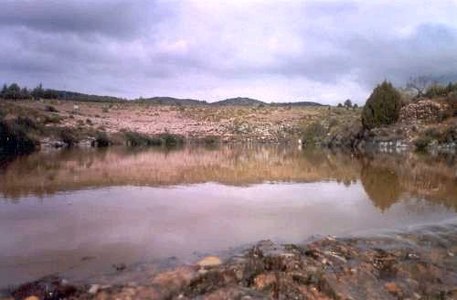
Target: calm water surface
[78, 212]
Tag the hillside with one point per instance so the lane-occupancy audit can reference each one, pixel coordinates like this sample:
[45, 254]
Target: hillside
[53, 121]
[171, 101]
[239, 101]
[299, 103]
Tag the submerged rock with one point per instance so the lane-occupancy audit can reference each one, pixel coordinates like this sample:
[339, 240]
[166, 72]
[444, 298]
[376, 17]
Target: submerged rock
[407, 266]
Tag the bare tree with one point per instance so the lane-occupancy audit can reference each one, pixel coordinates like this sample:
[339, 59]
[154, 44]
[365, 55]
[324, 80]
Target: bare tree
[420, 84]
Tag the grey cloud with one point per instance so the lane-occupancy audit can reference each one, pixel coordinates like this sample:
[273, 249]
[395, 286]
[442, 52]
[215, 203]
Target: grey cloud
[430, 51]
[117, 19]
[134, 48]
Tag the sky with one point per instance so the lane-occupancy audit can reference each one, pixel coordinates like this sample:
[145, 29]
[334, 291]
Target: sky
[281, 51]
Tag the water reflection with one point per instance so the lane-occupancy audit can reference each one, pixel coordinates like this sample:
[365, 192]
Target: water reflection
[385, 178]
[124, 205]
[381, 184]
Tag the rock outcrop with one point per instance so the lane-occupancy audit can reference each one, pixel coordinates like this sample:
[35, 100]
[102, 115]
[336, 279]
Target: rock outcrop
[426, 111]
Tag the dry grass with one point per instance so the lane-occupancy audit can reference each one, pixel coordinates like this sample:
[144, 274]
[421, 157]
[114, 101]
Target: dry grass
[227, 122]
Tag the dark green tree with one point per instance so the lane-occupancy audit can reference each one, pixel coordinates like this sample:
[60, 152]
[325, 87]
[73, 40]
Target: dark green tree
[38, 92]
[3, 91]
[348, 103]
[382, 107]
[50, 94]
[13, 92]
[25, 94]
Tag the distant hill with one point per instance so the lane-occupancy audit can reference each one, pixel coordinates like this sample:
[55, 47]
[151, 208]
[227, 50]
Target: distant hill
[240, 101]
[171, 101]
[300, 103]
[14, 91]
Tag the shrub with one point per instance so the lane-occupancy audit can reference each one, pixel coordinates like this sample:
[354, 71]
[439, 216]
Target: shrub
[451, 101]
[449, 135]
[210, 140]
[422, 143]
[333, 122]
[139, 139]
[436, 91]
[27, 124]
[171, 139]
[50, 108]
[432, 133]
[15, 139]
[68, 136]
[102, 140]
[382, 107]
[164, 139]
[314, 133]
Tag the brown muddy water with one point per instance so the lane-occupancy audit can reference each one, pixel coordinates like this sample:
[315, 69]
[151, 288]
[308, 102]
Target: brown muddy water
[77, 213]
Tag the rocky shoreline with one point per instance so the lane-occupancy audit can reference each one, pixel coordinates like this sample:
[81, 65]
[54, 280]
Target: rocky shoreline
[418, 264]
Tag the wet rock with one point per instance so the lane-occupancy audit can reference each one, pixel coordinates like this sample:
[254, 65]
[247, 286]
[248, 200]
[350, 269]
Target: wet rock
[47, 288]
[175, 279]
[94, 289]
[209, 262]
[393, 288]
[263, 281]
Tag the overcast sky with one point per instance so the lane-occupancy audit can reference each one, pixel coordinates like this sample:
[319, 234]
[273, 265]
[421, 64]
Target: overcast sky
[282, 51]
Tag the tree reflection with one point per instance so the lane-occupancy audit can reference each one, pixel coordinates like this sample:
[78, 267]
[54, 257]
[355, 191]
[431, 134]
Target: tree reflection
[382, 185]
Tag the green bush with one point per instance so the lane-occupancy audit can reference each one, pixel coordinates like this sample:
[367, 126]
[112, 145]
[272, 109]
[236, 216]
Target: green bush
[314, 134]
[382, 107]
[164, 139]
[68, 136]
[14, 137]
[139, 139]
[102, 140]
[169, 139]
[436, 91]
[449, 135]
[27, 124]
[211, 140]
[432, 133]
[451, 101]
[422, 143]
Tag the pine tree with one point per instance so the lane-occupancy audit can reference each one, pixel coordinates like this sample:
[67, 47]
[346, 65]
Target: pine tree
[382, 107]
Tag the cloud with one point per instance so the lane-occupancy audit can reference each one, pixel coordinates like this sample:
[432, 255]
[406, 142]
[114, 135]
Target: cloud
[117, 19]
[276, 51]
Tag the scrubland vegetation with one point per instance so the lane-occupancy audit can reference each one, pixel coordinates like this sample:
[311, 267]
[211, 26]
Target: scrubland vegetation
[422, 115]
